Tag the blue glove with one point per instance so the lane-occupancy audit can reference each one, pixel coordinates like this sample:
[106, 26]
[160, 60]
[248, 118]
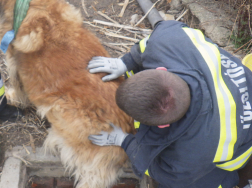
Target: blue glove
[116, 137]
[114, 66]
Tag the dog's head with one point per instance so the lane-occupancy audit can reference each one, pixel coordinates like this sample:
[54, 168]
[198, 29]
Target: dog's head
[43, 16]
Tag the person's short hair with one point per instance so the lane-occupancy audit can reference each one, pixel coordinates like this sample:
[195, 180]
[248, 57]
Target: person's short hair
[154, 97]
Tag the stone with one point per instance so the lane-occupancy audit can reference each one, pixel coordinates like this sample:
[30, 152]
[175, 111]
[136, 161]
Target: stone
[212, 21]
[12, 174]
[166, 16]
[176, 5]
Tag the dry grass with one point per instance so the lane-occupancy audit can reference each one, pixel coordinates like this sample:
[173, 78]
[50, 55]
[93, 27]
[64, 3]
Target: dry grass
[241, 31]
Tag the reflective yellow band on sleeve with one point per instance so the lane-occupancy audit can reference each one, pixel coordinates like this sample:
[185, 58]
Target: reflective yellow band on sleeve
[2, 90]
[225, 101]
[247, 61]
[237, 162]
[143, 44]
[220, 186]
[136, 124]
[130, 73]
[147, 173]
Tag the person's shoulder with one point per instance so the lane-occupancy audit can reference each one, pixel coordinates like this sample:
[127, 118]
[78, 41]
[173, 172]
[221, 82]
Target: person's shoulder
[170, 24]
[170, 31]
[169, 28]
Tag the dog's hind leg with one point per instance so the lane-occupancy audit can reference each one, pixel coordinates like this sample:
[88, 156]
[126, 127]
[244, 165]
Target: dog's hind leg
[15, 94]
[101, 170]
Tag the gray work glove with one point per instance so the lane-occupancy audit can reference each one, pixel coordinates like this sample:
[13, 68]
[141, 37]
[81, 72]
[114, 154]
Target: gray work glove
[116, 137]
[114, 66]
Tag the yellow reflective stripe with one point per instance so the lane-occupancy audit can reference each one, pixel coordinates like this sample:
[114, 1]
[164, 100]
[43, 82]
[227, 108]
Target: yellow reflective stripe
[147, 173]
[247, 61]
[236, 163]
[142, 44]
[129, 73]
[220, 186]
[136, 124]
[2, 90]
[226, 103]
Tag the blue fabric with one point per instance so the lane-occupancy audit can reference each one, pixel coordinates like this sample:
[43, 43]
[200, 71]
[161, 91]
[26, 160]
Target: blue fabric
[182, 155]
[6, 40]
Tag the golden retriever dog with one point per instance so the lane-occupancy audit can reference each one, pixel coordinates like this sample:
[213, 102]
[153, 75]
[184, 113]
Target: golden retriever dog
[47, 63]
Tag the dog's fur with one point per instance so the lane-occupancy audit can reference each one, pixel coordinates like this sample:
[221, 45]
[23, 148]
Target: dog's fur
[47, 65]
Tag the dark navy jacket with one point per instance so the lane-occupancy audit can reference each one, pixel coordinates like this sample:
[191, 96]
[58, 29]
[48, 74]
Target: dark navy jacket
[216, 129]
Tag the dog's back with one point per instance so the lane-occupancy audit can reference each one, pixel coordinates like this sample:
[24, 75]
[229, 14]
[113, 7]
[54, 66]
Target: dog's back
[49, 55]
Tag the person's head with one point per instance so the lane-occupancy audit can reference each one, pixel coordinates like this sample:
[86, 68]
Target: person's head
[154, 97]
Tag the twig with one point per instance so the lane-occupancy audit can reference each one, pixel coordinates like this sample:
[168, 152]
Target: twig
[121, 4]
[146, 14]
[148, 31]
[120, 36]
[109, 30]
[18, 157]
[5, 63]
[9, 125]
[249, 45]
[242, 46]
[105, 16]
[233, 26]
[32, 144]
[249, 19]
[126, 2]
[27, 151]
[143, 32]
[182, 15]
[236, 19]
[101, 28]
[160, 4]
[84, 7]
[114, 47]
[35, 127]
[126, 47]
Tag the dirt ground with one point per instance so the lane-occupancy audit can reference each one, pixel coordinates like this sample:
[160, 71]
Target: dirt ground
[31, 130]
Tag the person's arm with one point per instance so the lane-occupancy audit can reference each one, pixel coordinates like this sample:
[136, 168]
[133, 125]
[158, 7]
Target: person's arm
[167, 172]
[133, 59]
[116, 66]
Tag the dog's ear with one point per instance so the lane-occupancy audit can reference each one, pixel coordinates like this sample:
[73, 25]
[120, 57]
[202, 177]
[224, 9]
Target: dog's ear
[31, 34]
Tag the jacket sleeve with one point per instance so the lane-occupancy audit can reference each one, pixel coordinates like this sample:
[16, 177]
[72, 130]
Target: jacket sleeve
[140, 155]
[132, 60]
[169, 173]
